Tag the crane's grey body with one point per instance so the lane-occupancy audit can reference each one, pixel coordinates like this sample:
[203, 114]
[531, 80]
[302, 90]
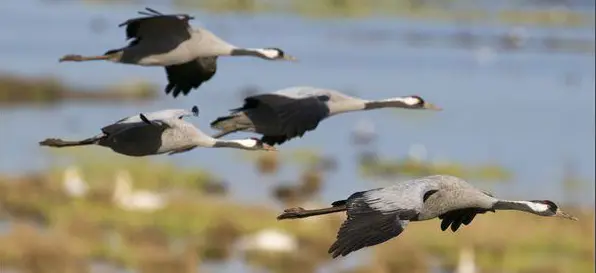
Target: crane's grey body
[171, 135]
[408, 196]
[166, 50]
[156, 133]
[291, 112]
[377, 215]
[188, 55]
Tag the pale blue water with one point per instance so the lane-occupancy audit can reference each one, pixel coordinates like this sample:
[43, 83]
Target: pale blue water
[516, 111]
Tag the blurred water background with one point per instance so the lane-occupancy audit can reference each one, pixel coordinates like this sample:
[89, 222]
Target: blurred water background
[517, 94]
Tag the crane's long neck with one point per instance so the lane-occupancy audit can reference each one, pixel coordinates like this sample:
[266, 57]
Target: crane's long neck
[398, 102]
[526, 206]
[253, 52]
[210, 142]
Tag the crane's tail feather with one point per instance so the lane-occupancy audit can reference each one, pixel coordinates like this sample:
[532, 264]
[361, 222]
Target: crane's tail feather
[59, 143]
[298, 212]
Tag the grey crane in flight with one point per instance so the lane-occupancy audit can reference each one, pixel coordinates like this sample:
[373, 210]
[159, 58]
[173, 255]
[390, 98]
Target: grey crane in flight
[157, 133]
[291, 112]
[377, 215]
[188, 55]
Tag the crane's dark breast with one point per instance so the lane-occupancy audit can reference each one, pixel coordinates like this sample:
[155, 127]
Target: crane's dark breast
[182, 78]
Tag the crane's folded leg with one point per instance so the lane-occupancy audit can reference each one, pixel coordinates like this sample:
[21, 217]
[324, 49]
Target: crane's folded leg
[59, 143]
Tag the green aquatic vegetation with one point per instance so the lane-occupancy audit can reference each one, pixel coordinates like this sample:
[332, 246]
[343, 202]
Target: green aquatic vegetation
[196, 227]
[414, 168]
[419, 10]
[19, 89]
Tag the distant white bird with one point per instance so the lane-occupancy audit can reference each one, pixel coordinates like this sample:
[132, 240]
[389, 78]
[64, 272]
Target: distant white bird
[466, 262]
[128, 199]
[269, 240]
[364, 131]
[484, 55]
[73, 183]
[418, 152]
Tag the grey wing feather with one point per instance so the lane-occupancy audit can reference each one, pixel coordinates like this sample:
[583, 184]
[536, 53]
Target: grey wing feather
[298, 92]
[152, 116]
[456, 217]
[366, 226]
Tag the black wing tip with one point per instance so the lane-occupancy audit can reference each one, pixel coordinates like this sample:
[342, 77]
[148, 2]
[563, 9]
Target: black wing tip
[336, 251]
[144, 118]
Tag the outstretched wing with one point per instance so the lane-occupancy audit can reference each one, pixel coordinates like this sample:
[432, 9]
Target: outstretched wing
[165, 31]
[187, 76]
[367, 226]
[287, 117]
[158, 115]
[156, 24]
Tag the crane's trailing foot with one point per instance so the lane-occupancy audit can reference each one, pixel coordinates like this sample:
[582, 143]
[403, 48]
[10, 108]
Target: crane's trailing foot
[80, 58]
[292, 213]
[58, 143]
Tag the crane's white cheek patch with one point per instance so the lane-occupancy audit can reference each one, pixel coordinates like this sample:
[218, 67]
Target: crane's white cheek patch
[411, 101]
[269, 53]
[538, 207]
[247, 142]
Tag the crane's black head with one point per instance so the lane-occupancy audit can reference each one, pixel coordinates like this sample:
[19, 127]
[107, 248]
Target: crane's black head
[549, 208]
[550, 205]
[195, 111]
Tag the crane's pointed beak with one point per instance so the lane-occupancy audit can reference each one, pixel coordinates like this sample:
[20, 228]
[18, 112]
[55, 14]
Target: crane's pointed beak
[431, 106]
[565, 215]
[290, 58]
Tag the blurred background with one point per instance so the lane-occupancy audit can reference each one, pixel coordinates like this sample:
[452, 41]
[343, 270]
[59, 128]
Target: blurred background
[515, 78]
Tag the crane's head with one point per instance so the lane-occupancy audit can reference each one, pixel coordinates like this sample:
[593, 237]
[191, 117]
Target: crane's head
[417, 102]
[408, 102]
[274, 53]
[549, 208]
